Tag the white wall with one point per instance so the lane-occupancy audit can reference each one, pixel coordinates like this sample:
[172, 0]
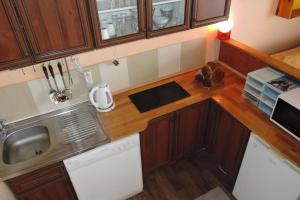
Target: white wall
[257, 26]
[5, 193]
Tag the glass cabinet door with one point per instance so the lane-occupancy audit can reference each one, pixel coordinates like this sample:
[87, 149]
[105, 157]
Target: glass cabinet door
[166, 14]
[119, 19]
[207, 12]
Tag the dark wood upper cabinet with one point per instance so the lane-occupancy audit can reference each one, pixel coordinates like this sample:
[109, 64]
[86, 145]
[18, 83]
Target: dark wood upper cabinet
[48, 183]
[157, 142]
[13, 48]
[206, 12]
[116, 22]
[167, 16]
[33, 31]
[55, 28]
[229, 144]
[190, 128]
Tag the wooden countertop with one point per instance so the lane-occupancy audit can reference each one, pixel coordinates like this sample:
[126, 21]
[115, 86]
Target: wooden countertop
[125, 119]
[267, 59]
[290, 57]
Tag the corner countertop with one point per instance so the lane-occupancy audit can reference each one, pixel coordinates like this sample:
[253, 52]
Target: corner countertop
[125, 119]
[290, 57]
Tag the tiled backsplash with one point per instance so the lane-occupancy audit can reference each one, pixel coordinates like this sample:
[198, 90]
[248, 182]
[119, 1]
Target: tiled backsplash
[23, 100]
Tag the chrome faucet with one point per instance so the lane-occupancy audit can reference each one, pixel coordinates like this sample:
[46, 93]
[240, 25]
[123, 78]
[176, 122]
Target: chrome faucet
[2, 128]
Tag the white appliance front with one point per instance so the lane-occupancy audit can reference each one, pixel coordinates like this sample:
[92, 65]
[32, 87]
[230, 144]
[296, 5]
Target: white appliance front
[264, 175]
[109, 172]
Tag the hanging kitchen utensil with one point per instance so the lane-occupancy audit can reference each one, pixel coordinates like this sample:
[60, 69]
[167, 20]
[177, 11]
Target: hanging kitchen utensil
[65, 91]
[60, 95]
[52, 92]
[70, 79]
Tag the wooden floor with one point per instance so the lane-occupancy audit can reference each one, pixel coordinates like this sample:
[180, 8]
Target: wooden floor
[183, 180]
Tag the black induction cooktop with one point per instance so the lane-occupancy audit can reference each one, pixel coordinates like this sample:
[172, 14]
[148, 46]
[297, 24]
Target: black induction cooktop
[158, 96]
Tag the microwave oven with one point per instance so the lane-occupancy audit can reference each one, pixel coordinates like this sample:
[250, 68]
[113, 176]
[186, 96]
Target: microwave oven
[286, 113]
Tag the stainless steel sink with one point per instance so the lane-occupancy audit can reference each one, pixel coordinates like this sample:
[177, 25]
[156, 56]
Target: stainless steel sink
[43, 136]
[24, 144]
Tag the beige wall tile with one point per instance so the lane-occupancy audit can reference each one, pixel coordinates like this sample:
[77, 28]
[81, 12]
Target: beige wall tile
[142, 67]
[39, 90]
[193, 54]
[16, 102]
[96, 74]
[79, 89]
[169, 60]
[115, 76]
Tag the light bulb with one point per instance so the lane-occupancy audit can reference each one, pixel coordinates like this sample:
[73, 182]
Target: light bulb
[225, 26]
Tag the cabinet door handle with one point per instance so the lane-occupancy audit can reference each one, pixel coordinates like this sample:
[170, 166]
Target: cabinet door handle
[222, 170]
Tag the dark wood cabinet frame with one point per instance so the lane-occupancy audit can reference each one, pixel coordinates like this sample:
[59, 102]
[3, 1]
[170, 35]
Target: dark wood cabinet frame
[149, 138]
[196, 23]
[203, 129]
[26, 58]
[185, 26]
[198, 121]
[48, 180]
[90, 26]
[44, 56]
[118, 40]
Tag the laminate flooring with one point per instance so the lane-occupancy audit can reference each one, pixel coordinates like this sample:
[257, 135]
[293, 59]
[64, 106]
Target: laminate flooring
[181, 180]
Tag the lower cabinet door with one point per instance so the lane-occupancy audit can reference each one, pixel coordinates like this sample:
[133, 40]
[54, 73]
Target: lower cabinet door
[230, 144]
[156, 142]
[190, 129]
[59, 189]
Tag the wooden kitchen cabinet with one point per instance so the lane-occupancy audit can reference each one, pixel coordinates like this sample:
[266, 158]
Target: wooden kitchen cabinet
[206, 12]
[49, 183]
[190, 129]
[173, 136]
[33, 31]
[229, 140]
[55, 28]
[14, 51]
[116, 22]
[167, 16]
[157, 142]
[55, 190]
[288, 9]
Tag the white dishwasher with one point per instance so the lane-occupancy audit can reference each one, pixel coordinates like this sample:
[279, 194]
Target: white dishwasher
[109, 172]
[264, 175]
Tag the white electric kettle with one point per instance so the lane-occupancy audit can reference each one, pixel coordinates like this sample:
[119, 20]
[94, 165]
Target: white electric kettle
[101, 98]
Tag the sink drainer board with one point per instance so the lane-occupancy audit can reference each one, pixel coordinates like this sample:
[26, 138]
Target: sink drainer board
[76, 126]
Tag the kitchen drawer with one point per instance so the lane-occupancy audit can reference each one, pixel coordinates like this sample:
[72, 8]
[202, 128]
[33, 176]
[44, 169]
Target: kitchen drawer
[31, 180]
